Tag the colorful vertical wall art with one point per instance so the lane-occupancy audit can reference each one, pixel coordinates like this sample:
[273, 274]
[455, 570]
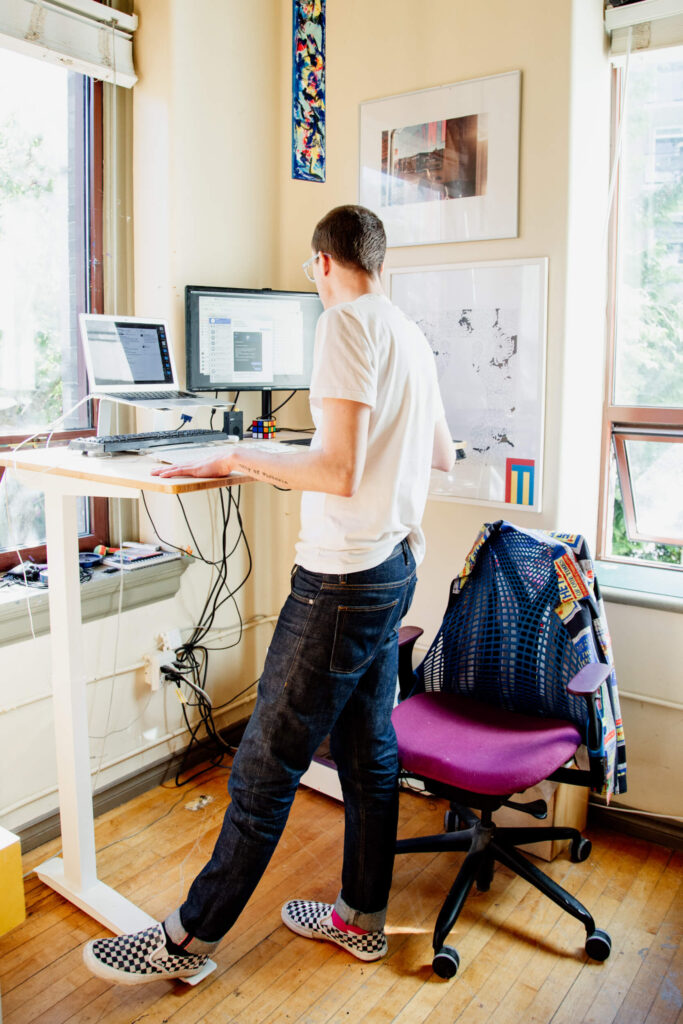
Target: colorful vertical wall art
[308, 91]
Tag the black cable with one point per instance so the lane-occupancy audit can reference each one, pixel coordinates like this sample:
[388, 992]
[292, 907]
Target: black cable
[191, 658]
[187, 523]
[168, 543]
[277, 407]
[236, 696]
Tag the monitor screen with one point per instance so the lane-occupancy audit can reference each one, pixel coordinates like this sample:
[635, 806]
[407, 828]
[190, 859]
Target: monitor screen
[243, 340]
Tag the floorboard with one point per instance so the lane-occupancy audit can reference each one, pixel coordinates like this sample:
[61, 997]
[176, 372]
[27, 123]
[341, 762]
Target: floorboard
[522, 957]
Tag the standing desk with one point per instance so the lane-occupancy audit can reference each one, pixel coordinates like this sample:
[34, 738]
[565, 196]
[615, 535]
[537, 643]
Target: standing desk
[65, 476]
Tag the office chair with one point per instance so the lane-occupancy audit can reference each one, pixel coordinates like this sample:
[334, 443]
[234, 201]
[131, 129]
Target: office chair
[516, 680]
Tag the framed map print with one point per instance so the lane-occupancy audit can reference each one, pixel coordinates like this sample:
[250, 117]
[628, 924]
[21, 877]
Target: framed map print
[486, 324]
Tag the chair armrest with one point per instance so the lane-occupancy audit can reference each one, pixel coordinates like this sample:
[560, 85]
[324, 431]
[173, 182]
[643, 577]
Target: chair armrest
[586, 683]
[407, 635]
[589, 679]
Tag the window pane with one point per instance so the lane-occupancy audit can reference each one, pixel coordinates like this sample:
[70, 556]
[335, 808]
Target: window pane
[42, 247]
[656, 474]
[649, 316]
[621, 546]
[22, 516]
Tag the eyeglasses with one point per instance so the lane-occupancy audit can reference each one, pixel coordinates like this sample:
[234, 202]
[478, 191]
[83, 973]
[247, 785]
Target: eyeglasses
[306, 267]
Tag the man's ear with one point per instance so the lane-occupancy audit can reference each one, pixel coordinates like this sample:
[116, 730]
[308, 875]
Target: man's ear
[325, 263]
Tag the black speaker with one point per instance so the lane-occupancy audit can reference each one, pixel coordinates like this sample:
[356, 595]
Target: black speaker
[233, 423]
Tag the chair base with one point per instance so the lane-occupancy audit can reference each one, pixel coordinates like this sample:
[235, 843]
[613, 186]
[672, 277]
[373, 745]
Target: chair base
[485, 843]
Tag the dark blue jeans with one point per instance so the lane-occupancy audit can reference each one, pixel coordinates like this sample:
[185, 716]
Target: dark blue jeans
[331, 669]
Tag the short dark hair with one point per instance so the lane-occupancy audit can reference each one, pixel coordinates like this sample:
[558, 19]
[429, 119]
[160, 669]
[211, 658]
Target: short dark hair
[352, 235]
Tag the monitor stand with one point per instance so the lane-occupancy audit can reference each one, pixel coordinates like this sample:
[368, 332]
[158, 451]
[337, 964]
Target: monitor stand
[266, 405]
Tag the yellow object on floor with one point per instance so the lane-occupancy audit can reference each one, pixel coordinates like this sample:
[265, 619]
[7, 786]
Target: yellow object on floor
[12, 906]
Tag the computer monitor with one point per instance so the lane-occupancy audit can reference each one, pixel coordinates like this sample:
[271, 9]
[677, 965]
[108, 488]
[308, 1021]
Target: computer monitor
[240, 339]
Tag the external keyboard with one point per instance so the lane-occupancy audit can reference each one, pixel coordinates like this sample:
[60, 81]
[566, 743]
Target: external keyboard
[136, 442]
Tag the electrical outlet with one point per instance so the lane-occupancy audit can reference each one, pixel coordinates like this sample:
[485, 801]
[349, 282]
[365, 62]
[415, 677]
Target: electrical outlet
[169, 640]
[153, 664]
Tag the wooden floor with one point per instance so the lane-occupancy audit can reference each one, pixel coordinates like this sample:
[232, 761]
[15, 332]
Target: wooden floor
[522, 959]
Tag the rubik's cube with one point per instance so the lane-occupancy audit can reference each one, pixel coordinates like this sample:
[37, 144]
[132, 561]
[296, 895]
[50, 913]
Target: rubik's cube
[264, 429]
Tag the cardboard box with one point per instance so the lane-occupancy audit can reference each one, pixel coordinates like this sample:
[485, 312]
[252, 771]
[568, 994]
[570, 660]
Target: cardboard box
[12, 906]
[567, 806]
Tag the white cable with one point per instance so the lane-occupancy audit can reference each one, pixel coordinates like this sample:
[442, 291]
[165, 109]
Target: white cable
[10, 529]
[123, 728]
[51, 427]
[11, 532]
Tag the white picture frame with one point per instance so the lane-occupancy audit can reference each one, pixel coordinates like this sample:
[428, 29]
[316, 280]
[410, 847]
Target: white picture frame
[486, 323]
[442, 164]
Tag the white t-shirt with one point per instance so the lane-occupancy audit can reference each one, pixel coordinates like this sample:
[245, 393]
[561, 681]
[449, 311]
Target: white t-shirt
[368, 351]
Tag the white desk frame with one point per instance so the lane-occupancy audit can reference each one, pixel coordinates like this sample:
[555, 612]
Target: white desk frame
[66, 476]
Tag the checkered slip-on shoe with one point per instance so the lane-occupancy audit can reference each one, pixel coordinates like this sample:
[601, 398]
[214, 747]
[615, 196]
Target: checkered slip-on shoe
[314, 921]
[135, 959]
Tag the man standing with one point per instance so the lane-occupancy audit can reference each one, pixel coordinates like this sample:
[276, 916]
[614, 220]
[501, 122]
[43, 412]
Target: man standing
[332, 664]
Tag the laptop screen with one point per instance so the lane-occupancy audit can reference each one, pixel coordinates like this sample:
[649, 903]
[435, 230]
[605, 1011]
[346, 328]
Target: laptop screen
[126, 352]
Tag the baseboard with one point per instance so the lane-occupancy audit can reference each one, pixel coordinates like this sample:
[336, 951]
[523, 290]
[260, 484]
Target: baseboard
[43, 829]
[664, 831]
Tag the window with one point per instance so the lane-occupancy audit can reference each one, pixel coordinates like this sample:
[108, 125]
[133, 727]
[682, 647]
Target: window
[642, 508]
[50, 270]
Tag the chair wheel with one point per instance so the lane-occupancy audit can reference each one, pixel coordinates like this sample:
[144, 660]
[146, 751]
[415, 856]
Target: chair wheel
[580, 850]
[598, 945]
[446, 962]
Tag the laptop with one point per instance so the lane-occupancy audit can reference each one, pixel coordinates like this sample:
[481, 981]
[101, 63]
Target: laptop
[129, 359]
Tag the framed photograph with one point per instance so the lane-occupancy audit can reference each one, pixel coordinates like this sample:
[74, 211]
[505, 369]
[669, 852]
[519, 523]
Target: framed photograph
[486, 324]
[442, 165]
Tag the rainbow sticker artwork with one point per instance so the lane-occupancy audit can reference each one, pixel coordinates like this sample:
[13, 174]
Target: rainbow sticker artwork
[519, 481]
[308, 90]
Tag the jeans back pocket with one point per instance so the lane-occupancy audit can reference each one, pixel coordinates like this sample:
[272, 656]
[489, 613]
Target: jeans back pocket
[359, 632]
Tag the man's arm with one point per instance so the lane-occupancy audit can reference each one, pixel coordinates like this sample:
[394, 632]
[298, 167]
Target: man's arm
[336, 468]
[443, 452]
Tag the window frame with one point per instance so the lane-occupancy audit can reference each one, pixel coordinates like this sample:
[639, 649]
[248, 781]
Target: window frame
[93, 208]
[624, 422]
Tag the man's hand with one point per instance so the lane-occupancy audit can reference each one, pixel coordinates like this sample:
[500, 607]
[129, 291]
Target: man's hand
[209, 468]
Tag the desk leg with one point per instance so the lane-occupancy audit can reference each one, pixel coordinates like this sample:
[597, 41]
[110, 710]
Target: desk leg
[75, 874]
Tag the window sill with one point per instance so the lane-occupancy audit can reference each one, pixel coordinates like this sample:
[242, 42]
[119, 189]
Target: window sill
[646, 586]
[99, 598]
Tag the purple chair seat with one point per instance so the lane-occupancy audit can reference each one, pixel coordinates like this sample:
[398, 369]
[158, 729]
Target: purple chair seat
[478, 747]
